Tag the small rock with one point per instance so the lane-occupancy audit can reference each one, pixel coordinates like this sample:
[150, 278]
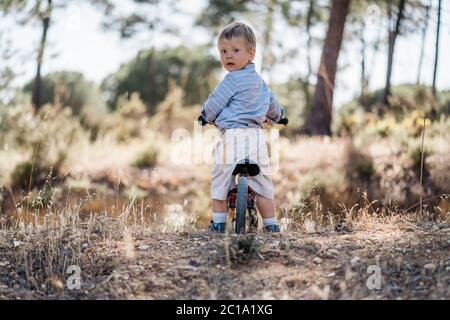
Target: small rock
[317, 260]
[17, 243]
[331, 274]
[194, 263]
[144, 247]
[447, 269]
[295, 260]
[355, 260]
[4, 263]
[429, 266]
[428, 251]
[333, 251]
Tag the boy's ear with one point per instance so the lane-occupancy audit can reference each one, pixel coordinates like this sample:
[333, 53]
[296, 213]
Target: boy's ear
[252, 52]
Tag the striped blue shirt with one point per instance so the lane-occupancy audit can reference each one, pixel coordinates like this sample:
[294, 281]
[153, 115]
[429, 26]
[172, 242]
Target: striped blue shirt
[241, 100]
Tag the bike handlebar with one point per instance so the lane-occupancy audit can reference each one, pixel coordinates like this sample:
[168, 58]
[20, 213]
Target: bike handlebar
[201, 121]
[283, 121]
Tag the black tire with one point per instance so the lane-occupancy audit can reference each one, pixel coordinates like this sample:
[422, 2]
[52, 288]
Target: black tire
[241, 204]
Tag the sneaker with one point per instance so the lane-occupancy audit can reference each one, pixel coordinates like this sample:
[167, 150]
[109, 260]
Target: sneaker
[217, 227]
[272, 228]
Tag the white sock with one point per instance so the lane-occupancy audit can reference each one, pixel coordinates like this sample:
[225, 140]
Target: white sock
[269, 221]
[220, 217]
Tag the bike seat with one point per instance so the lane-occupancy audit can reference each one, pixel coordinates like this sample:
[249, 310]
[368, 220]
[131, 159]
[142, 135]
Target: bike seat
[246, 166]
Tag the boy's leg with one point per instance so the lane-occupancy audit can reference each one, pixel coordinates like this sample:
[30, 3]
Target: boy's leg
[266, 208]
[220, 214]
[219, 205]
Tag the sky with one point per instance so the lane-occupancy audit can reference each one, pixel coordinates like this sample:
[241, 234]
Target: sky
[78, 43]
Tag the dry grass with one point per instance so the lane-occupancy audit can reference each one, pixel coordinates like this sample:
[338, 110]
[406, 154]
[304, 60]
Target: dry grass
[42, 245]
[35, 255]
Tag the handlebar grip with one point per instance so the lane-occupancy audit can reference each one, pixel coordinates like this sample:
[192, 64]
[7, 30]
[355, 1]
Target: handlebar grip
[202, 121]
[283, 121]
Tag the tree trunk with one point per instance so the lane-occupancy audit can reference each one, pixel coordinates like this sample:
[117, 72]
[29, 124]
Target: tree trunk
[422, 51]
[267, 57]
[376, 47]
[437, 49]
[392, 37]
[364, 81]
[306, 83]
[151, 108]
[36, 96]
[319, 119]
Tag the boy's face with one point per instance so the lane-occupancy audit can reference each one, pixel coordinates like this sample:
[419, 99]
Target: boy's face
[233, 53]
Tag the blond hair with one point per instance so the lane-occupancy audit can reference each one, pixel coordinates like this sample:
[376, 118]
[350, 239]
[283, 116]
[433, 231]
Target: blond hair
[239, 29]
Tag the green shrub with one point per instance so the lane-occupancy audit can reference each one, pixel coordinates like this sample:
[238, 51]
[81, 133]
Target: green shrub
[147, 158]
[415, 156]
[44, 139]
[29, 171]
[129, 121]
[135, 193]
[360, 165]
[244, 249]
[150, 71]
[45, 197]
[69, 89]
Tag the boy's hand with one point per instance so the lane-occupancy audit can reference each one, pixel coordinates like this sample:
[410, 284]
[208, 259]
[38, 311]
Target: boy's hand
[278, 125]
[283, 121]
[202, 121]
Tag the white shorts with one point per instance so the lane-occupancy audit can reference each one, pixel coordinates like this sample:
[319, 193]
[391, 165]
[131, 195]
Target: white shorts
[235, 145]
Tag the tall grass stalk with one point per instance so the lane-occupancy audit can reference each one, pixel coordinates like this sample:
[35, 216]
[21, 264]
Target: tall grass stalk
[227, 242]
[31, 173]
[421, 166]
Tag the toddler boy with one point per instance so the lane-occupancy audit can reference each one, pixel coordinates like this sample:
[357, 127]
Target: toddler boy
[239, 106]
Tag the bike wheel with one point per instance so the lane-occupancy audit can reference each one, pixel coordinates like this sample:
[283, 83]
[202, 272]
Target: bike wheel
[241, 204]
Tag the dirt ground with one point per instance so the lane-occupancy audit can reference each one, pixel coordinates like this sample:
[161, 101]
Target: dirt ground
[411, 260]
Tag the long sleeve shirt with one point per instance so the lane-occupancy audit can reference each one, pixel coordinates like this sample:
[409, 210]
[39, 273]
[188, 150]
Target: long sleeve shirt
[241, 100]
